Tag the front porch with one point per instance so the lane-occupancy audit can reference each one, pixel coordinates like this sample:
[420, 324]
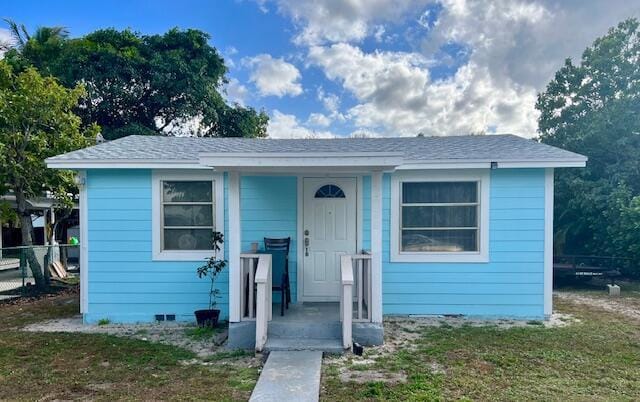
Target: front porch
[330, 327]
[264, 201]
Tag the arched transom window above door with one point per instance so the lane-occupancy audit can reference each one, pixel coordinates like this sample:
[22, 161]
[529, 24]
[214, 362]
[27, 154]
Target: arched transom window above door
[329, 191]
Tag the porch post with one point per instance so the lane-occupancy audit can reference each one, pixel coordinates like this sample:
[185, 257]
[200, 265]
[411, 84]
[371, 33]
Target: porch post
[376, 247]
[234, 246]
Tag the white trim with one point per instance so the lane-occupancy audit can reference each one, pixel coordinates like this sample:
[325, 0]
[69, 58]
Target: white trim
[300, 239]
[548, 242]
[306, 161]
[84, 242]
[376, 247]
[481, 175]
[329, 160]
[124, 164]
[156, 230]
[359, 194]
[486, 164]
[234, 241]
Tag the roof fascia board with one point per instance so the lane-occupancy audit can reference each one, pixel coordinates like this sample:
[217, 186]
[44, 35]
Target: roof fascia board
[122, 164]
[300, 160]
[485, 164]
[364, 161]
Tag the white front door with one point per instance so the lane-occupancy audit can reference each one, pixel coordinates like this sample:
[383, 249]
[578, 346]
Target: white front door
[329, 231]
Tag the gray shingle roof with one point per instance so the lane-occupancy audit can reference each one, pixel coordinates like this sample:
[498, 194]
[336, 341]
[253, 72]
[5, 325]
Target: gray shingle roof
[415, 149]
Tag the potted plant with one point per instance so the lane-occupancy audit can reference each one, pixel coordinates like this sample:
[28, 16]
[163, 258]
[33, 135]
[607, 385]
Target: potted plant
[211, 270]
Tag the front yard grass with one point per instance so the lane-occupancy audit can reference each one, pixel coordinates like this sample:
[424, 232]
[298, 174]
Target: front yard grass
[62, 366]
[593, 359]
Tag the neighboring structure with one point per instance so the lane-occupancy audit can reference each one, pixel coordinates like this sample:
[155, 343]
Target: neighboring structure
[435, 225]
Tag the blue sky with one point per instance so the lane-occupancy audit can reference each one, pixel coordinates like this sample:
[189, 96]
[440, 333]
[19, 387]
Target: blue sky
[376, 67]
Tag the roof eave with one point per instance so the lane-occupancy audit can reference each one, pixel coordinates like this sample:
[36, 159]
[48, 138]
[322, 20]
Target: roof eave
[361, 161]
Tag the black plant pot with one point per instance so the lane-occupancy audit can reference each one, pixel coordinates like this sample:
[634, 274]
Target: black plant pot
[207, 318]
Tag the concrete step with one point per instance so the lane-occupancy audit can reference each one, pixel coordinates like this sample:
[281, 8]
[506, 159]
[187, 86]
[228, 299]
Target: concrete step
[305, 329]
[333, 346]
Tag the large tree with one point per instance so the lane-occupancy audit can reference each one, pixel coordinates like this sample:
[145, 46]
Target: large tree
[141, 84]
[36, 122]
[594, 108]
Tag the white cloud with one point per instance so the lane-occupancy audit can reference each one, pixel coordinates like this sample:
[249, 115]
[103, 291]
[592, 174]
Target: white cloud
[5, 39]
[339, 20]
[331, 103]
[236, 92]
[524, 41]
[283, 125]
[396, 95]
[274, 76]
[514, 48]
[319, 120]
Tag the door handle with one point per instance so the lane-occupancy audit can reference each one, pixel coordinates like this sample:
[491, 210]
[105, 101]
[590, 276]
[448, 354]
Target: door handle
[306, 246]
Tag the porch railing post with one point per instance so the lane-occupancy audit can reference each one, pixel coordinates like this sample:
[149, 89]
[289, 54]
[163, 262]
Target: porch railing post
[235, 285]
[346, 298]
[376, 247]
[263, 300]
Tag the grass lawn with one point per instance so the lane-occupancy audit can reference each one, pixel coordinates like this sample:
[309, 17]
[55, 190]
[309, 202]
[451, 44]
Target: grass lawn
[92, 366]
[597, 358]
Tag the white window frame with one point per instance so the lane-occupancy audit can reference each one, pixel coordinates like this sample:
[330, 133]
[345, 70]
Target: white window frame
[482, 176]
[160, 176]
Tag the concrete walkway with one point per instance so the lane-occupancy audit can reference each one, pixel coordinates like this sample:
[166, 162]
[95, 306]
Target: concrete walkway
[289, 376]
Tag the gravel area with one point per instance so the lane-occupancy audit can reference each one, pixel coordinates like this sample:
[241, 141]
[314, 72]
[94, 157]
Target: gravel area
[176, 334]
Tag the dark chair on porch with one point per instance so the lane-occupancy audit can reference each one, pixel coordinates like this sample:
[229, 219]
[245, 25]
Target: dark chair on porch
[279, 250]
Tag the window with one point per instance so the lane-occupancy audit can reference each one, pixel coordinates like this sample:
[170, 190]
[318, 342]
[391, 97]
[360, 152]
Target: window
[187, 215]
[329, 191]
[187, 207]
[440, 216]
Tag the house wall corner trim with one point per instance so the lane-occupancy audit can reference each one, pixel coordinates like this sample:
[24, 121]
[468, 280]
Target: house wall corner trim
[548, 242]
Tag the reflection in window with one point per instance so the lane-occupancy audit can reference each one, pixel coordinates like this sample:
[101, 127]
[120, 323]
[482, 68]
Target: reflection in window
[187, 215]
[439, 217]
[329, 191]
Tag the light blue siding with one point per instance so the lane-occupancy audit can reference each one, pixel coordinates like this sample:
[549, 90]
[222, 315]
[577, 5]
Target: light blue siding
[509, 285]
[125, 284]
[268, 208]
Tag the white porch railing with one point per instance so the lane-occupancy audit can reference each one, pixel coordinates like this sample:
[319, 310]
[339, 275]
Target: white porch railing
[256, 293]
[355, 270]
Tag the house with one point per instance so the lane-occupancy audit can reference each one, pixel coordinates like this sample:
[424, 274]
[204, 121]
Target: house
[429, 225]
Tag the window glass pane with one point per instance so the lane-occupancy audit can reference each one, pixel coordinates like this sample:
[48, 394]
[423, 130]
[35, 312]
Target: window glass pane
[329, 191]
[187, 239]
[186, 191]
[188, 215]
[439, 192]
[439, 240]
[438, 217]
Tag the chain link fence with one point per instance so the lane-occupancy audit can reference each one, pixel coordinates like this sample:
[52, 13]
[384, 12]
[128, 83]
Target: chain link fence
[54, 263]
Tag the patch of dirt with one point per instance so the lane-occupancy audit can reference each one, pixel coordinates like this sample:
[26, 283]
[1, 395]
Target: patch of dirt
[31, 297]
[174, 334]
[401, 333]
[365, 376]
[614, 305]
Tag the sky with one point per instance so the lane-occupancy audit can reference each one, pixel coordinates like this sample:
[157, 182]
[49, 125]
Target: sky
[323, 68]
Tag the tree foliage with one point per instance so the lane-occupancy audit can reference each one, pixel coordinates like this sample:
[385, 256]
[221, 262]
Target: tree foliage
[36, 122]
[594, 109]
[141, 84]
